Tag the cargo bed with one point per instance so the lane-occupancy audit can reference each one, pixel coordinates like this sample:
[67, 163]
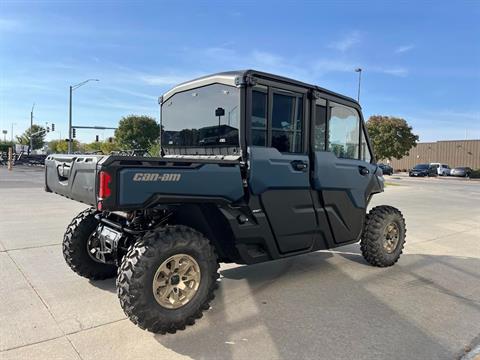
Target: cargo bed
[138, 182]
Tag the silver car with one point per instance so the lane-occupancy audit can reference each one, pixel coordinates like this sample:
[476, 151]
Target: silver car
[462, 171]
[442, 169]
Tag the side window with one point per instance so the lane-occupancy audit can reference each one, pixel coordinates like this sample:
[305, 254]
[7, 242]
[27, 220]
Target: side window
[287, 123]
[365, 151]
[320, 125]
[259, 118]
[343, 131]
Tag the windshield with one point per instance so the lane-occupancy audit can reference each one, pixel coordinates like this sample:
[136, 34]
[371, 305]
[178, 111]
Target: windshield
[421, 167]
[202, 121]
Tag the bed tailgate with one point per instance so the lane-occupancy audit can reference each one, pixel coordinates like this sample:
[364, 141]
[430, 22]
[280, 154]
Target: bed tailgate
[72, 176]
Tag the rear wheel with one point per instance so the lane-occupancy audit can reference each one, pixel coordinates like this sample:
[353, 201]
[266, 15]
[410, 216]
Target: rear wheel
[167, 279]
[383, 236]
[77, 245]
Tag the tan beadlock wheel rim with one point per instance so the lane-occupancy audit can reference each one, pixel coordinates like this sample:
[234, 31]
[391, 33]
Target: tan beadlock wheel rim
[176, 281]
[391, 237]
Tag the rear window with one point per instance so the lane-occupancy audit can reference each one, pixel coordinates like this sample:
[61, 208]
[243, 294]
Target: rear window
[201, 121]
[421, 166]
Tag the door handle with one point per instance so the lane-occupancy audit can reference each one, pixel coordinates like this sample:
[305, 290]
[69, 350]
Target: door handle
[363, 170]
[299, 165]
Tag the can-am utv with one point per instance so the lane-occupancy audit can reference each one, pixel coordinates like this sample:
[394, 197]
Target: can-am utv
[253, 167]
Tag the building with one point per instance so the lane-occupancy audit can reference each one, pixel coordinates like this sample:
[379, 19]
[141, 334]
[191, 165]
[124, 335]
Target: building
[451, 152]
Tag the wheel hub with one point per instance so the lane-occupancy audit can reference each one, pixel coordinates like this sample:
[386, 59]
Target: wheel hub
[176, 281]
[391, 237]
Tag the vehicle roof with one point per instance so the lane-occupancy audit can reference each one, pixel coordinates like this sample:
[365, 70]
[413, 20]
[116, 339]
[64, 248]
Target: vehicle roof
[230, 77]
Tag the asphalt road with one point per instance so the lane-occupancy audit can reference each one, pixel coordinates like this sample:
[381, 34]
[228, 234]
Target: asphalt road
[323, 305]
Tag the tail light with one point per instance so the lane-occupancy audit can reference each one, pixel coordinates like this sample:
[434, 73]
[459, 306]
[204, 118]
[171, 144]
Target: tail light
[105, 180]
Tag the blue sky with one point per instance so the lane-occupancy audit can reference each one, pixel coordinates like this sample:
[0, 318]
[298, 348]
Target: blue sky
[421, 59]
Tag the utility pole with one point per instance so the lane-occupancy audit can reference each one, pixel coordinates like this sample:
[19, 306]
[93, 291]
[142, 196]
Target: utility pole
[359, 70]
[31, 130]
[70, 112]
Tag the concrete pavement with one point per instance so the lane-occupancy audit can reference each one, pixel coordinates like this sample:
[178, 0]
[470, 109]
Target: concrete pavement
[322, 305]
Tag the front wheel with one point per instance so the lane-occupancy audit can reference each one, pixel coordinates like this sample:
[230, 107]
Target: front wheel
[167, 279]
[383, 236]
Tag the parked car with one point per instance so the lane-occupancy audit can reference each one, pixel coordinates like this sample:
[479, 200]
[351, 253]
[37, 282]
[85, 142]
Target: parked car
[423, 170]
[442, 169]
[386, 169]
[462, 171]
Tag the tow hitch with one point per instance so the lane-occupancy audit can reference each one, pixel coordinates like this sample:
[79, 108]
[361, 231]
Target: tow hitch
[103, 244]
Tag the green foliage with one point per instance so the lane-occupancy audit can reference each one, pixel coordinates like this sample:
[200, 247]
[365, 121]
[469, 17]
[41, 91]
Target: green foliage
[108, 147]
[391, 137]
[38, 140]
[475, 174]
[93, 146]
[5, 145]
[154, 149]
[61, 146]
[104, 146]
[137, 132]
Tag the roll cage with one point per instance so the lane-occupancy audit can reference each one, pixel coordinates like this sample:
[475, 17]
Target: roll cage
[248, 80]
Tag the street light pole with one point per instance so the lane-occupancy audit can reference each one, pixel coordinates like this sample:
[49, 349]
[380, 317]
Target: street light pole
[31, 130]
[359, 70]
[70, 147]
[11, 134]
[70, 123]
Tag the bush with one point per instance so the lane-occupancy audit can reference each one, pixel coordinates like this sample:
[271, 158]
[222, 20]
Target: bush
[475, 174]
[4, 146]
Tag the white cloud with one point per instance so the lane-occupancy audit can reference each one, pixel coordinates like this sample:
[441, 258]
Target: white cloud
[264, 58]
[130, 92]
[326, 65]
[164, 80]
[402, 72]
[9, 25]
[346, 42]
[404, 48]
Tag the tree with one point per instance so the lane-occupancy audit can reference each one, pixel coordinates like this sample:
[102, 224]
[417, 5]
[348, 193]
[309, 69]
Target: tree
[391, 137]
[38, 140]
[93, 146]
[61, 146]
[137, 132]
[107, 147]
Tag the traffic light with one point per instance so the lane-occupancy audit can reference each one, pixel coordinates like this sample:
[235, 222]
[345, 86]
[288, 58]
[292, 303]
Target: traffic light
[74, 133]
[96, 138]
[53, 127]
[110, 139]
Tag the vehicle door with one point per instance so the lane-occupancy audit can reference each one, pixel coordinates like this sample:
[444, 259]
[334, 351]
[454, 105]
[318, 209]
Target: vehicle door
[279, 163]
[343, 175]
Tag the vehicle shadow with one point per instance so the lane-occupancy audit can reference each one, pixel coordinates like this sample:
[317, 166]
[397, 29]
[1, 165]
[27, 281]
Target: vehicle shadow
[320, 306]
[106, 285]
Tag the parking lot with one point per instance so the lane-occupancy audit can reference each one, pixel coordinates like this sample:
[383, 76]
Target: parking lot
[328, 304]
